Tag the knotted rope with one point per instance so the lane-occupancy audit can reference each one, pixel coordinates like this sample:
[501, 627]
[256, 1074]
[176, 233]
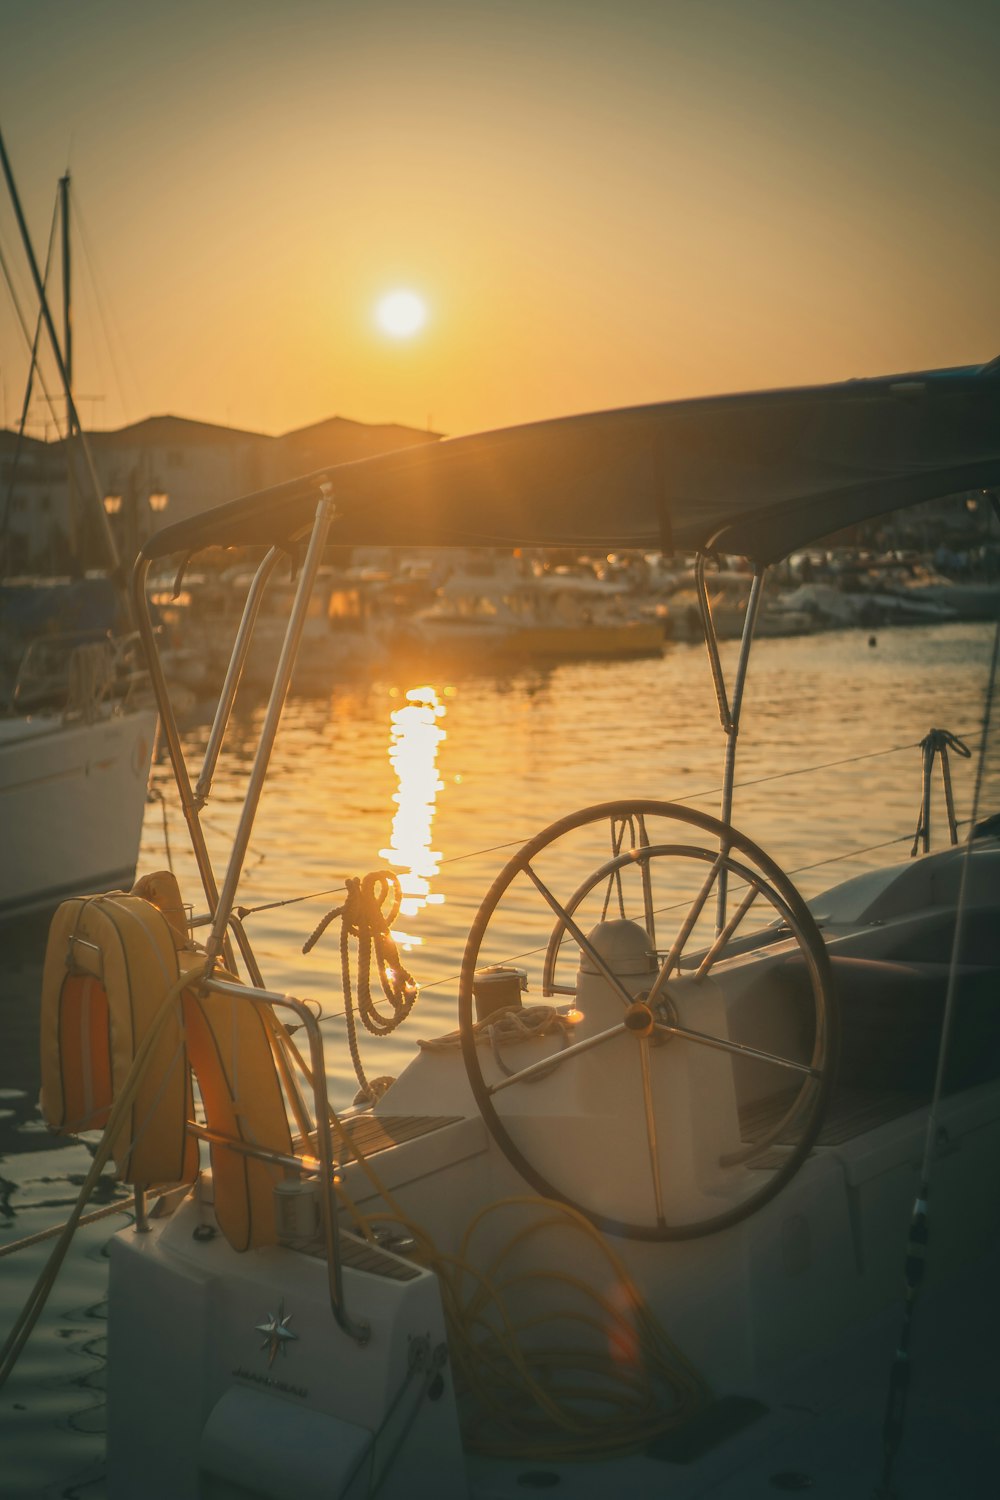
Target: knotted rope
[506, 1026]
[367, 915]
[937, 742]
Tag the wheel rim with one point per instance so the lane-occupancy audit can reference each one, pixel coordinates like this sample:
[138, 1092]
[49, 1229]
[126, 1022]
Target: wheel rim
[652, 1025]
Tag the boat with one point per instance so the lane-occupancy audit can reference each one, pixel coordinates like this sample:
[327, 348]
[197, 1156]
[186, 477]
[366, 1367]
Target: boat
[76, 740]
[74, 774]
[341, 635]
[664, 1211]
[499, 607]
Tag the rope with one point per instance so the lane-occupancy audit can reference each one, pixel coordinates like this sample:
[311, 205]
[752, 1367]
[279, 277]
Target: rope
[849, 760]
[367, 914]
[506, 1027]
[937, 742]
[119, 1206]
[634, 1386]
[155, 794]
[26, 403]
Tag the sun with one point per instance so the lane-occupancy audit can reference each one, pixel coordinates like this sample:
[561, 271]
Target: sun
[401, 314]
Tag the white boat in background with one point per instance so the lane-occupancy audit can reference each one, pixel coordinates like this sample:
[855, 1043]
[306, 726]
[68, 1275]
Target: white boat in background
[341, 636]
[503, 609]
[73, 786]
[75, 744]
[651, 1227]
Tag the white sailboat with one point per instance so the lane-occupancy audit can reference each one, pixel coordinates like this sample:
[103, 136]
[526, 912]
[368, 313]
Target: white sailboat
[654, 1225]
[75, 755]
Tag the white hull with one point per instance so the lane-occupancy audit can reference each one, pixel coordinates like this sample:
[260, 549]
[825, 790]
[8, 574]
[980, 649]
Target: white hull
[820, 1269]
[789, 1316]
[72, 799]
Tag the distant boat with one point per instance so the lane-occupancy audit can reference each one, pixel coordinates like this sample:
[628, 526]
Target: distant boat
[504, 612]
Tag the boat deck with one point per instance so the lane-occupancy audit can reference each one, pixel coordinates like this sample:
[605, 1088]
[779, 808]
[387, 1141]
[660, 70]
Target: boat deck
[851, 1112]
[821, 1431]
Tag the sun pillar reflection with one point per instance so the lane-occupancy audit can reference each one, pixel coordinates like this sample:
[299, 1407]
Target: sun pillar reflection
[415, 736]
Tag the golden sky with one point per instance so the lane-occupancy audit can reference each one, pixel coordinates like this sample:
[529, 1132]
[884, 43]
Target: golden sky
[602, 202]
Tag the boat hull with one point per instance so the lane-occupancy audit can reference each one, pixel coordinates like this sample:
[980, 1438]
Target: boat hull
[72, 799]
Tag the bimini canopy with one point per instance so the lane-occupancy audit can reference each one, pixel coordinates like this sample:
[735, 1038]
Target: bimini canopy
[758, 474]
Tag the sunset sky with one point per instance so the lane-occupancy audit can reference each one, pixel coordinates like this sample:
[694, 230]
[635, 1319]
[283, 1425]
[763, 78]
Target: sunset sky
[599, 202]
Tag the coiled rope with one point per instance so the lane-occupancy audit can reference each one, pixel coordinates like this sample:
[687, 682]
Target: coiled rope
[367, 915]
[617, 1385]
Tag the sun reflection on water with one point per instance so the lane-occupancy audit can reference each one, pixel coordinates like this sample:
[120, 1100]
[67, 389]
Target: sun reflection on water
[415, 736]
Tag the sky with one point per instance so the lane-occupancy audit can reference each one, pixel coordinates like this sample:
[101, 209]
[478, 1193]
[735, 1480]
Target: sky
[600, 202]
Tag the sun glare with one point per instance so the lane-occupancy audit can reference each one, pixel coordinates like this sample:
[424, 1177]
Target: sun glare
[401, 314]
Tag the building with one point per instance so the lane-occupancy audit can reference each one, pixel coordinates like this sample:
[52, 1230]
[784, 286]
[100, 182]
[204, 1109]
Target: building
[159, 470]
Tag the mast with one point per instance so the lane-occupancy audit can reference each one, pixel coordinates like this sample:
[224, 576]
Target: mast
[71, 495]
[66, 288]
[73, 420]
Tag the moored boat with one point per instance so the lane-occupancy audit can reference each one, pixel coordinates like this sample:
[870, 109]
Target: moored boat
[646, 1229]
[75, 742]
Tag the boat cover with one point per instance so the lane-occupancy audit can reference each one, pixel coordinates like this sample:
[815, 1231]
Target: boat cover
[757, 474]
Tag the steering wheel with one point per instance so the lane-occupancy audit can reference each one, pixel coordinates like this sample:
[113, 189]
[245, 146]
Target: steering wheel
[683, 1080]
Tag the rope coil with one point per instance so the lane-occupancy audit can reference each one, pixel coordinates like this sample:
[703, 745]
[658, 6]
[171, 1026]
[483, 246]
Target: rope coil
[367, 915]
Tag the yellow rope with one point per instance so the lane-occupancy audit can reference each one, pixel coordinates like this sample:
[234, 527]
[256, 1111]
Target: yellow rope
[658, 1391]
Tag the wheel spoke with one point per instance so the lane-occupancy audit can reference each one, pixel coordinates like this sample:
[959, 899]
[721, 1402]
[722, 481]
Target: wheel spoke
[677, 849]
[546, 1064]
[677, 947]
[727, 932]
[645, 867]
[582, 942]
[667, 1028]
[654, 1155]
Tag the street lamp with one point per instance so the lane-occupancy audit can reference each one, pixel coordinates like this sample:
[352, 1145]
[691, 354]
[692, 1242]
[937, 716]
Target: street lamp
[158, 501]
[112, 504]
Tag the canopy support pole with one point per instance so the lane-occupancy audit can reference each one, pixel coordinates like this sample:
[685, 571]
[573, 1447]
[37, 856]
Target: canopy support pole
[234, 672]
[171, 733]
[276, 703]
[729, 711]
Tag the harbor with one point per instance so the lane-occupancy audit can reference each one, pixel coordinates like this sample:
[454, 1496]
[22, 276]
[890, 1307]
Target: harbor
[416, 762]
[499, 751]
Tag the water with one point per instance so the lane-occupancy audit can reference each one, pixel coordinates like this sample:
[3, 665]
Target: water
[427, 776]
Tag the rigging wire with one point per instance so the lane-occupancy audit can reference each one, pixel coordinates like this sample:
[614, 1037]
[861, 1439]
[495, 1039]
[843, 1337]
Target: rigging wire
[103, 302]
[23, 324]
[919, 1231]
[29, 385]
[515, 843]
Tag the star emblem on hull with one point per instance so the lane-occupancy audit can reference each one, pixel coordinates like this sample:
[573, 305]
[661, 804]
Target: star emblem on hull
[277, 1333]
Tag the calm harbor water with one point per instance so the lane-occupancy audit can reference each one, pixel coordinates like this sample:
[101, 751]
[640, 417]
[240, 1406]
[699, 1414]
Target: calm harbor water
[440, 779]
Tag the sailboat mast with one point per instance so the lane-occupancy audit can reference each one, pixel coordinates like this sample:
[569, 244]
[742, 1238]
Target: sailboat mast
[66, 287]
[71, 489]
[104, 525]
